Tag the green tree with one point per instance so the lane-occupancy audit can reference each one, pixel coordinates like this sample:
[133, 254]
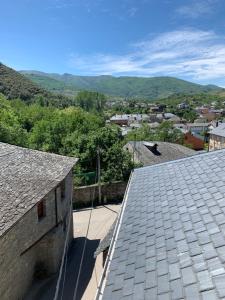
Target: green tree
[91, 101]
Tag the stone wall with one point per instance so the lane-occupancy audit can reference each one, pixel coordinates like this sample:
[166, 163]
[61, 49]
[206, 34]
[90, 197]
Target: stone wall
[32, 242]
[111, 192]
[216, 142]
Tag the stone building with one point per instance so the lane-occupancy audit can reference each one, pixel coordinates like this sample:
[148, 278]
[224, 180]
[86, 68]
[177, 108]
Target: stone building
[35, 199]
[217, 137]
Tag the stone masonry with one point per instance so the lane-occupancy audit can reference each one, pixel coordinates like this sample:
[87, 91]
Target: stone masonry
[30, 245]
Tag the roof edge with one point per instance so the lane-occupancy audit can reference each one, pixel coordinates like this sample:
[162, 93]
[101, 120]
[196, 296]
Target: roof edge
[101, 286]
[181, 159]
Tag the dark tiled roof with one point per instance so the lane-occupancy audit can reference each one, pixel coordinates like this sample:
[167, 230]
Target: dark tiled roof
[171, 241]
[26, 176]
[165, 152]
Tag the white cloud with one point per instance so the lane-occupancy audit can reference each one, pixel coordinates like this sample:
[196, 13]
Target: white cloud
[197, 9]
[195, 54]
[132, 11]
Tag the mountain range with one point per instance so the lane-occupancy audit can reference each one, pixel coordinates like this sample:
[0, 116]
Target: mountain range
[126, 87]
[56, 88]
[15, 85]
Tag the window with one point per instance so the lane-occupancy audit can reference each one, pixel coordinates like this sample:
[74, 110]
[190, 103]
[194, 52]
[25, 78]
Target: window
[63, 189]
[41, 210]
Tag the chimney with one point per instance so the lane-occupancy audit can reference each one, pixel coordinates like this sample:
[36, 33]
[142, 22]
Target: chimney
[151, 146]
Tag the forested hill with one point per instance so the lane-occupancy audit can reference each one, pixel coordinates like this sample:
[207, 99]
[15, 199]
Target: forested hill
[15, 85]
[130, 87]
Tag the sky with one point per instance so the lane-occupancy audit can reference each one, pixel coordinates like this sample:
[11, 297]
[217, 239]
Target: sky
[179, 38]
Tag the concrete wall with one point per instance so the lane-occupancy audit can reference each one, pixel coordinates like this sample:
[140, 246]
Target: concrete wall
[216, 142]
[111, 192]
[32, 242]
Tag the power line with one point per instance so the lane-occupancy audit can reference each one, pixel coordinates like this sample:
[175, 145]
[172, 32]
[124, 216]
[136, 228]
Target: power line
[110, 209]
[85, 242]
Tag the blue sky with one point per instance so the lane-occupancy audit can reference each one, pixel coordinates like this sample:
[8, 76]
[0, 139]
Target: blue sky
[184, 39]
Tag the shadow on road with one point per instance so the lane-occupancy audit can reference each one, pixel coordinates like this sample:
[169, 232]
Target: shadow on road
[46, 289]
[73, 264]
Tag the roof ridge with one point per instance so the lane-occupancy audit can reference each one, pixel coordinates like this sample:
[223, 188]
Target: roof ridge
[184, 158]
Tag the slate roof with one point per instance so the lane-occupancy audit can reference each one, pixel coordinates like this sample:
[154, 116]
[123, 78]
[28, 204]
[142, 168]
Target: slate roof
[220, 130]
[106, 241]
[26, 176]
[189, 125]
[137, 117]
[166, 151]
[170, 241]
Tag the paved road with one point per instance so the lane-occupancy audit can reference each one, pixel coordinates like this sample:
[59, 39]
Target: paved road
[102, 219]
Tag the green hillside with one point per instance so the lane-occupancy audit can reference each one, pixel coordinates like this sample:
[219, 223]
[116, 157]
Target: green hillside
[130, 87]
[15, 85]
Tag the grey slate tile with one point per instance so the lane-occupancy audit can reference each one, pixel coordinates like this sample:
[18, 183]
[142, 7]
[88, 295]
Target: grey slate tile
[209, 295]
[150, 264]
[139, 291]
[130, 269]
[139, 275]
[192, 292]
[150, 293]
[205, 281]
[199, 263]
[151, 280]
[163, 284]
[118, 282]
[162, 267]
[128, 287]
[174, 271]
[220, 286]
[209, 251]
[164, 296]
[218, 240]
[188, 276]
[185, 260]
[177, 289]
[194, 249]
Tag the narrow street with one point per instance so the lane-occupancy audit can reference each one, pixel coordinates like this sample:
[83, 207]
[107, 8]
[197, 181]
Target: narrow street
[101, 220]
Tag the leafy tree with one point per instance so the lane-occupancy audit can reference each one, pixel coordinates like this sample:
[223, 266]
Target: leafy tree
[11, 130]
[165, 133]
[91, 101]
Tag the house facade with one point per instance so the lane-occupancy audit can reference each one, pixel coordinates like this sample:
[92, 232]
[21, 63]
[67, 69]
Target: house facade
[217, 137]
[197, 127]
[36, 216]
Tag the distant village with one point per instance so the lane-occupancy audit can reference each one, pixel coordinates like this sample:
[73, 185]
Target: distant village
[198, 135]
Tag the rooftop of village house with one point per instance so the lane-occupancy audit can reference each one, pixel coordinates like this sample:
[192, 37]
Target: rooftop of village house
[150, 153]
[170, 237]
[26, 176]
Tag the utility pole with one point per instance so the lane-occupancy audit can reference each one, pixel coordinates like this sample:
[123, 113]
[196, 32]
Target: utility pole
[134, 148]
[99, 176]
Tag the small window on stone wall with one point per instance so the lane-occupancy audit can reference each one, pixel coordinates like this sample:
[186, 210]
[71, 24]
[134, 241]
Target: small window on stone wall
[63, 190]
[41, 210]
